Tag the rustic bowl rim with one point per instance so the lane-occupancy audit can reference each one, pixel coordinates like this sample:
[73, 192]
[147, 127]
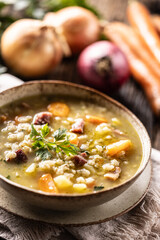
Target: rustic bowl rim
[112, 101]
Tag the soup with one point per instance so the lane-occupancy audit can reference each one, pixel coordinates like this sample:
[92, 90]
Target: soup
[62, 145]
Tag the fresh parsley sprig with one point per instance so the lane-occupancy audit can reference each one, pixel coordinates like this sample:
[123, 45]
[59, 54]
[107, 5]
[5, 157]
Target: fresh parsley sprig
[43, 147]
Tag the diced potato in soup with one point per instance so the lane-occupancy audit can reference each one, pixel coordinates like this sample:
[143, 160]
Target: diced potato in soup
[64, 145]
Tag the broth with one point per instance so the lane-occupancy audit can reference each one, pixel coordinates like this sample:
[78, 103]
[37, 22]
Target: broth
[105, 152]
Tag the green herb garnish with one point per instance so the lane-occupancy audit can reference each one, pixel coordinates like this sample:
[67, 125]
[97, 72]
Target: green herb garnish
[43, 147]
[8, 177]
[98, 188]
[43, 154]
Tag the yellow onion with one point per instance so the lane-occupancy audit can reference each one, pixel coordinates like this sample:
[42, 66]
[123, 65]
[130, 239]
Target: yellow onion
[79, 26]
[30, 48]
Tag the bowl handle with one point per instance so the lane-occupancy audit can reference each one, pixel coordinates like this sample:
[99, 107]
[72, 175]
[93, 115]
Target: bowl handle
[155, 155]
[8, 81]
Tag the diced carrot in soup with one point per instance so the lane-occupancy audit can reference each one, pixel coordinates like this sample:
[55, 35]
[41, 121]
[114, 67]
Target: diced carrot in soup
[117, 147]
[58, 109]
[47, 184]
[95, 119]
[73, 138]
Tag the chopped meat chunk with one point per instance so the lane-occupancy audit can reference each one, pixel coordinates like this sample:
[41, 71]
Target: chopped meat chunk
[113, 175]
[42, 118]
[84, 154]
[118, 132]
[79, 160]
[78, 126]
[20, 157]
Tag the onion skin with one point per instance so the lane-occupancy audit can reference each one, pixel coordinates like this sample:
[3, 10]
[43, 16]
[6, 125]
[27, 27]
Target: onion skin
[79, 26]
[30, 48]
[103, 66]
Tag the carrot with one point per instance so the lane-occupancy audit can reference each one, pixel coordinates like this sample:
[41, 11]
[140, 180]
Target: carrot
[156, 22]
[135, 42]
[47, 184]
[3, 118]
[117, 147]
[73, 138]
[16, 119]
[142, 73]
[58, 109]
[140, 18]
[95, 119]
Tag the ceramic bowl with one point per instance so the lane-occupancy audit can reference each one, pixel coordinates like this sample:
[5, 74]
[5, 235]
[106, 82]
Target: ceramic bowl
[68, 201]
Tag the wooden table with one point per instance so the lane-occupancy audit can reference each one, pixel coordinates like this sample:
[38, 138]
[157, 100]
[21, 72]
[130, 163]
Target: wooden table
[131, 94]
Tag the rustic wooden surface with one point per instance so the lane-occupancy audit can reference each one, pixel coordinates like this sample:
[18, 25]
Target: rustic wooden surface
[131, 94]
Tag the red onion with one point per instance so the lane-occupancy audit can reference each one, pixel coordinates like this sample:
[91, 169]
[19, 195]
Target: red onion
[103, 65]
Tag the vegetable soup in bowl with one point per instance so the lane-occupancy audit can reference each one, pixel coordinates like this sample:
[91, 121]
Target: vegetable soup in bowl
[66, 146]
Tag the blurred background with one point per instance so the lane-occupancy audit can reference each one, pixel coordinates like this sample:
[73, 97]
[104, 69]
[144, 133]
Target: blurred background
[131, 94]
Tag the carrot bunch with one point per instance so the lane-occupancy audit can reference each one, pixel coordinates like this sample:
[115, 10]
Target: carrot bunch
[141, 44]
